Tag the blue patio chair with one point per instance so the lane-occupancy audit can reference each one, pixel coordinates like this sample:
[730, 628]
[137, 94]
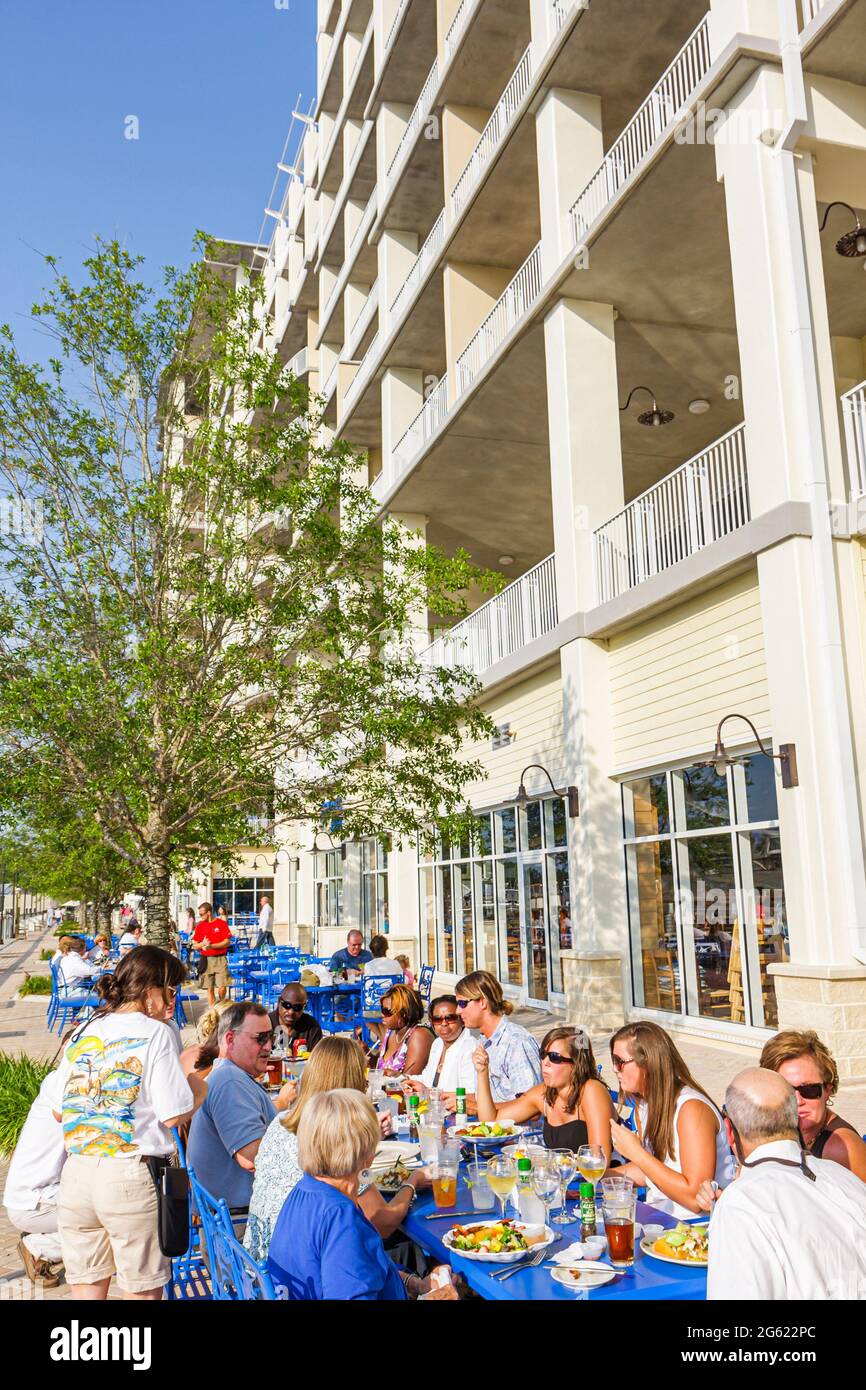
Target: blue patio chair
[234, 1275]
[373, 990]
[184, 996]
[425, 983]
[67, 1003]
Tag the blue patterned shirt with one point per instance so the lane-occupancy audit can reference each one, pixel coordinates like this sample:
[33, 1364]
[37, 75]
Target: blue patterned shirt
[515, 1061]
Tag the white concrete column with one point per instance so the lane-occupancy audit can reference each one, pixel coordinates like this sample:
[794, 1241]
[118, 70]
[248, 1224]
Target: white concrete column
[391, 122]
[414, 528]
[470, 292]
[402, 398]
[585, 453]
[730, 17]
[542, 23]
[403, 915]
[570, 149]
[396, 252]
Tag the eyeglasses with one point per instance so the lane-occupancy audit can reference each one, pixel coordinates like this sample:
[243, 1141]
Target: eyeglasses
[387, 1013]
[464, 1003]
[555, 1057]
[261, 1038]
[290, 1007]
[446, 1018]
[810, 1090]
[619, 1062]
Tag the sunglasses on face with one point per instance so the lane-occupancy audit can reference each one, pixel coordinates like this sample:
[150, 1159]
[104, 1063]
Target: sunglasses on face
[619, 1062]
[464, 1003]
[447, 1018]
[260, 1039]
[555, 1057]
[810, 1090]
[291, 1006]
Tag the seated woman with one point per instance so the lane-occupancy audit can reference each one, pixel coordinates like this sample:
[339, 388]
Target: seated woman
[100, 949]
[323, 1246]
[808, 1066]
[336, 1064]
[406, 1044]
[681, 1141]
[450, 1062]
[576, 1106]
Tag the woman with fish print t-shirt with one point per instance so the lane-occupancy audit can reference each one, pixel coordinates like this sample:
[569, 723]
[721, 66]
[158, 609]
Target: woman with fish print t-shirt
[124, 1089]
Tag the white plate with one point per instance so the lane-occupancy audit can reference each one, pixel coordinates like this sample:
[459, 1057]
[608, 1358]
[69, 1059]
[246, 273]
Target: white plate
[646, 1246]
[513, 1133]
[590, 1275]
[507, 1257]
[389, 1151]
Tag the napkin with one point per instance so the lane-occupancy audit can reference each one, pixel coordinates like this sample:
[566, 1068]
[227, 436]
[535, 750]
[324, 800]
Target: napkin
[568, 1256]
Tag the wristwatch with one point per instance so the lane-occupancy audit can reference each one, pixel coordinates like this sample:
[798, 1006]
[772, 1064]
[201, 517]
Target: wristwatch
[412, 1188]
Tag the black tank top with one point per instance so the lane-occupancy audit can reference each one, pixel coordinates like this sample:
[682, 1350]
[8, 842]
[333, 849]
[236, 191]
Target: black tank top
[817, 1148]
[572, 1135]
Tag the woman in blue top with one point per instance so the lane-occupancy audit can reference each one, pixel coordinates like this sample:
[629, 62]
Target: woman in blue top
[323, 1246]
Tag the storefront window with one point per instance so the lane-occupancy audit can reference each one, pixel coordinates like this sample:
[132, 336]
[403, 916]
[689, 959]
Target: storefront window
[706, 891]
[329, 890]
[374, 889]
[239, 897]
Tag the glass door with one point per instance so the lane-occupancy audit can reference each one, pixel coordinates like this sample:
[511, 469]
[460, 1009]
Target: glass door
[535, 932]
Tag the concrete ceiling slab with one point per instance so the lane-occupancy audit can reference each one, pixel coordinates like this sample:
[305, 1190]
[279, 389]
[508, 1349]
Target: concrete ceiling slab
[841, 49]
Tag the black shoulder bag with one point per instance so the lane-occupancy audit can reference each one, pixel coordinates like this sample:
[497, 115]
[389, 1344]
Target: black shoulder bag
[172, 1201]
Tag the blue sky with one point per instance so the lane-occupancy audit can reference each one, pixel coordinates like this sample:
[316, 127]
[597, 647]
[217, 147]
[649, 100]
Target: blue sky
[212, 83]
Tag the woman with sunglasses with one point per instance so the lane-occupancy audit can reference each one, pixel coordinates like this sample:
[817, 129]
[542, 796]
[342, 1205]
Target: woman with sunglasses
[450, 1062]
[576, 1107]
[680, 1142]
[808, 1066]
[406, 1044]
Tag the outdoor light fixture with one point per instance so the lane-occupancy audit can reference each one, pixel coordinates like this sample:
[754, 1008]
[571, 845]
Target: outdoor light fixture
[787, 754]
[506, 560]
[570, 793]
[853, 243]
[649, 417]
[699, 406]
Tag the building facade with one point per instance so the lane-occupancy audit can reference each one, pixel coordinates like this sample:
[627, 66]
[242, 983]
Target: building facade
[576, 276]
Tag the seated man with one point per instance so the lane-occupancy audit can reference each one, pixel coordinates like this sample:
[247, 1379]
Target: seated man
[790, 1226]
[227, 1130]
[289, 1016]
[352, 956]
[32, 1185]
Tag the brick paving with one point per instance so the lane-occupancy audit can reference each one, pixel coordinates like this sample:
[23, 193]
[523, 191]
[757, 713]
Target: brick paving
[22, 1029]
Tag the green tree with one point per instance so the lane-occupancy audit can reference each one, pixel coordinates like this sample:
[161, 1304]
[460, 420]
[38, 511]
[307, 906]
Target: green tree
[202, 615]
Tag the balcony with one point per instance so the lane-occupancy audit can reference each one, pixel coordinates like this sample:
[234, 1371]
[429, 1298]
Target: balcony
[649, 123]
[705, 499]
[395, 25]
[455, 29]
[362, 322]
[422, 428]
[493, 133]
[854, 417]
[420, 112]
[428, 253]
[362, 376]
[506, 313]
[299, 365]
[506, 624]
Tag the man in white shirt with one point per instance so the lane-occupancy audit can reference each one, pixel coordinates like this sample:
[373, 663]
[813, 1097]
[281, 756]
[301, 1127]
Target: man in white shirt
[32, 1185]
[790, 1226]
[266, 923]
[75, 967]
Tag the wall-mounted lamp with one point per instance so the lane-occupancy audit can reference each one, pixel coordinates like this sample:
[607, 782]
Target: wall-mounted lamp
[570, 794]
[787, 754]
[653, 417]
[853, 243]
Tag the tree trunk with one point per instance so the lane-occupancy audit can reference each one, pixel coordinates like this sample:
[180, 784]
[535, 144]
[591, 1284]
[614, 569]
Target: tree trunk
[103, 915]
[158, 892]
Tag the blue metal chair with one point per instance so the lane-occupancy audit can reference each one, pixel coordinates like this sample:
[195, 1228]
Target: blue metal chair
[67, 1003]
[234, 1275]
[373, 990]
[425, 983]
[184, 996]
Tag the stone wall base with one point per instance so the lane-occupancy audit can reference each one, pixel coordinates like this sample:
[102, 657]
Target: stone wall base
[833, 1003]
[593, 990]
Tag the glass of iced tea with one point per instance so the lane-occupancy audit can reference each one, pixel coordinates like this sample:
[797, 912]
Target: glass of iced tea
[618, 1212]
[444, 1176]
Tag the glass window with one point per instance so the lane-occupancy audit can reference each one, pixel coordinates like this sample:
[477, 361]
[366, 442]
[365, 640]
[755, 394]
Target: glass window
[647, 807]
[463, 890]
[532, 824]
[428, 915]
[374, 889]
[762, 877]
[506, 831]
[559, 915]
[759, 781]
[710, 910]
[555, 824]
[533, 891]
[446, 898]
[484, 843]
[485, 907]
[652, 918]
[509, 916]
[704, 798]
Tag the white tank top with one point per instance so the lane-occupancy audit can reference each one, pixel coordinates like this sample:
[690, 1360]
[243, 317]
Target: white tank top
[725, 1163]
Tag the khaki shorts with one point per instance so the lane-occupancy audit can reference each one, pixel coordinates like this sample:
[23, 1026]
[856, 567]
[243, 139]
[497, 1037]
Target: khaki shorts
[216, 972]
[106, 1216]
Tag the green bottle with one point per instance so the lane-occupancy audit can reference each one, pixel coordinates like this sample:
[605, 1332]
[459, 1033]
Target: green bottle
[587, 1211]
[414, 1102]
[460, 1108]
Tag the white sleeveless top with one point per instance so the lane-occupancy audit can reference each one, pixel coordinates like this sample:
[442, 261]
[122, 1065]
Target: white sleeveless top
[725, 1162]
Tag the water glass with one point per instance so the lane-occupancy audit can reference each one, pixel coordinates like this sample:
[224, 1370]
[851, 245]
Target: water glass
[482, 1193]
[429, 1137]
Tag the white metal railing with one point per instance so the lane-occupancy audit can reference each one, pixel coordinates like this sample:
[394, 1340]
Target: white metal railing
[420, 265]
[854, 417]
[422, 428]
[494, 131]
[401, 10]
[420, 112]
[562, 9]
[347, 96]
[527, 609]
[708, 497]
[299, 365]
[330, 382]
[649, 122]
[363, 227]
[810, 9]
[508, 310]
[362, 374]
[348, 178]
[455, 29]
[362, 320]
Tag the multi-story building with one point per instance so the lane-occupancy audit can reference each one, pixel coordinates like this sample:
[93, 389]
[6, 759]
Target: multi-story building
[560, 268]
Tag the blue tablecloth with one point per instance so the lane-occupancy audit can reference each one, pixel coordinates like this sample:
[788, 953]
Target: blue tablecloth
[648, 1278]
[317, 994]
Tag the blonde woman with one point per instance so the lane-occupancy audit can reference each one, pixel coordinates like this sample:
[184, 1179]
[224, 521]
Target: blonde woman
[681, 1142]
[336, 1064]
[807, 1065]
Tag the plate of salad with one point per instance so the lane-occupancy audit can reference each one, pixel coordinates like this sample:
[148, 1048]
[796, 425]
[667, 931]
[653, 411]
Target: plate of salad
[683, 1245]
[497, 1242]
[486, 1133]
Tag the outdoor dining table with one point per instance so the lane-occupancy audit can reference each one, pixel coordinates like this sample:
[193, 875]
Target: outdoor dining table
[317, 994]
[648, 1278]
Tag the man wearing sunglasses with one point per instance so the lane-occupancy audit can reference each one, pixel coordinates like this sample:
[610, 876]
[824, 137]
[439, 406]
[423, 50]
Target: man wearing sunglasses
[229, 1127]
[296, 1025]
[790, 1226]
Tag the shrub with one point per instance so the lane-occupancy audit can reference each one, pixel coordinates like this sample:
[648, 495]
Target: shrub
[46, 955]
[20, 1079]
[36, 984]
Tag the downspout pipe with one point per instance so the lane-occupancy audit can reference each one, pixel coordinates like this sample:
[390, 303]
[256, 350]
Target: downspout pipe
[840, 742]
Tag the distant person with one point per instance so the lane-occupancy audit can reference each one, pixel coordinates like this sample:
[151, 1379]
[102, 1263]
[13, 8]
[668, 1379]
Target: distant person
[791, 1226]
[212, 937]
[352, 956]
[266, 924]
[380, 964]
[63, 945]
[100, 949]
[74, 966]
[131, 937]
[406, 966]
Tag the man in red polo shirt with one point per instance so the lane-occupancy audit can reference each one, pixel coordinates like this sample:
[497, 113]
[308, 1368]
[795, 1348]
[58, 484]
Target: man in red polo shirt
[212, 936]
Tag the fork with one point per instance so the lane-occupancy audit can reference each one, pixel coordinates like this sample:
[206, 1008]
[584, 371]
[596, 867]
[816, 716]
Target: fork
[538, 1258]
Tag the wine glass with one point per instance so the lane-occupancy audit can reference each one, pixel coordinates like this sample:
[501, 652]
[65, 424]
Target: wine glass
[502, 1177]
[591, 1164]
[546, 1183]
[566, 1165]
